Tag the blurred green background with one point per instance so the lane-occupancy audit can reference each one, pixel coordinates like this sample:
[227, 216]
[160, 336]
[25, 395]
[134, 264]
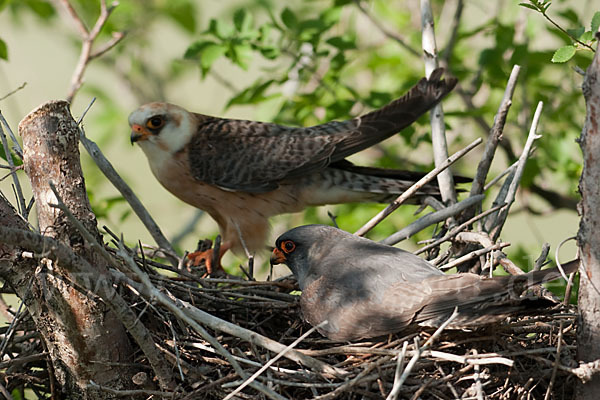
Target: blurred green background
[304, 63]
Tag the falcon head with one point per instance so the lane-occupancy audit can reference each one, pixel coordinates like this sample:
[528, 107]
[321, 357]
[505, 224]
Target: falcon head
[161, 128]
[304, 246]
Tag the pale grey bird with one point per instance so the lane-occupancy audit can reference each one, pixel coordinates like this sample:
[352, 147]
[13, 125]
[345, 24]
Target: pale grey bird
[366, 289]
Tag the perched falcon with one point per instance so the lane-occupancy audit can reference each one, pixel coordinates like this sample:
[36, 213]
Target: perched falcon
[366, 289]
[243, 172]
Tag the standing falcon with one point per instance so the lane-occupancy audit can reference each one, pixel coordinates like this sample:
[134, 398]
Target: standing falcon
[366, 289]
[243, 172]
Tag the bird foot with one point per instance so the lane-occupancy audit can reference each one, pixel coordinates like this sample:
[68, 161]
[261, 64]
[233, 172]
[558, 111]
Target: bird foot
[205, 257]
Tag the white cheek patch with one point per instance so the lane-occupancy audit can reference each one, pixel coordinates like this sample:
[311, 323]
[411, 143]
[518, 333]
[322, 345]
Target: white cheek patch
[174, 137]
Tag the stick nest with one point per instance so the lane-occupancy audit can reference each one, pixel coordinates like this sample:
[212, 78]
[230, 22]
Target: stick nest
[513, 360]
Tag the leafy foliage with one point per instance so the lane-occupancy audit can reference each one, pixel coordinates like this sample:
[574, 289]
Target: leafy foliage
[580, 38]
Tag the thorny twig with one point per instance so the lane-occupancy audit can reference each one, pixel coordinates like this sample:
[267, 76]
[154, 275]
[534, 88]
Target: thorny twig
[457, 229]
[447, 53]
[148, 289]
[473, 255]
[274, 359]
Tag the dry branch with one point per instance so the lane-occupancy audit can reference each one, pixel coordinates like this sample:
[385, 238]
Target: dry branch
[136, 205]
[438, 131]
[88, 38]
[494, 223]
[50, 143]
[414, 188]
[432, 218]
[495, 135]
[13, 172]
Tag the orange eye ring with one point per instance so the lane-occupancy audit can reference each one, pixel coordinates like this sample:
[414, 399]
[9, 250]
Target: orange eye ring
[288, 246]
[155, 122]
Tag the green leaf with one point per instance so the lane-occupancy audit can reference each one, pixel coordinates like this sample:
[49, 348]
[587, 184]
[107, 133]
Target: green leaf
[526, 5]
[252, 95]
[16, 160]
[570, 15]
[342, 42]
[270, 52]
[563, 54]
[3, 4]
[289, 18]
[43, 9]
[194, 49]
[210, 54]
[206, 51]
[182, 12]
[331, 16]
[586, 37]
[265, 32]
[242, 20]
[338, 61]
[596, 22]
[546, 6]
[242, 54]
[220, 29]
[3, 50]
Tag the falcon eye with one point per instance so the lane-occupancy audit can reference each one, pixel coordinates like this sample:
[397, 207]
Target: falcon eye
[155, 122]
[288, 246]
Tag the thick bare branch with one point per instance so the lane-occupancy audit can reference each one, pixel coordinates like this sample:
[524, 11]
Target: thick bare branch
[51, 152]
[588, 238]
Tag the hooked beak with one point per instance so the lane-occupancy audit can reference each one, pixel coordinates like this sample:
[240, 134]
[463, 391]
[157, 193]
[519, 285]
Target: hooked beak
[277, 257]
[138, 133]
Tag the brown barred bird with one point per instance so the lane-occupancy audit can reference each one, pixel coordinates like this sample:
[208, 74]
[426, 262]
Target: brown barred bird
[243, 172]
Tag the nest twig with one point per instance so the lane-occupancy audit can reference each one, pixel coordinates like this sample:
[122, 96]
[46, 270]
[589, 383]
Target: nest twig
[516, 359]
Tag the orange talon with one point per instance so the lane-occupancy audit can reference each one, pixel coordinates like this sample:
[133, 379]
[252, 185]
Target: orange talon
[206, 257]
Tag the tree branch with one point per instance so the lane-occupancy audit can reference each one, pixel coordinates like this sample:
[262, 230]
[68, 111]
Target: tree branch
[88, 38]
[51, 153]
[588, 239]
[392, 35]
[414, 188]
[438, 130]
[494, 223]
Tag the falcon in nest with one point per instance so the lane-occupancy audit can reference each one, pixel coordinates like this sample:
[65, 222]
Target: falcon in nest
[243, 172]
[365, 289]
